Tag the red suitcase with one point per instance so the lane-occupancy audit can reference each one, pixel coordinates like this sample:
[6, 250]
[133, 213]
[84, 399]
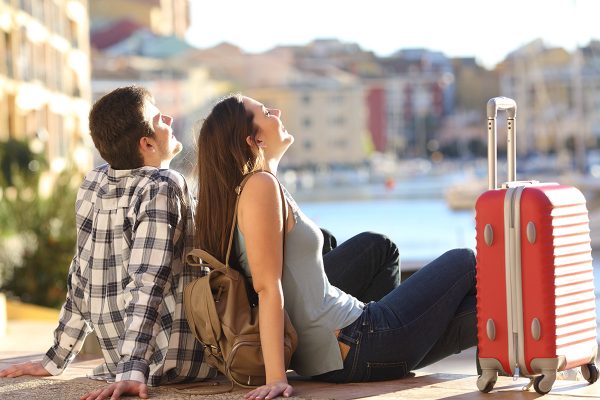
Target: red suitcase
[535, 292]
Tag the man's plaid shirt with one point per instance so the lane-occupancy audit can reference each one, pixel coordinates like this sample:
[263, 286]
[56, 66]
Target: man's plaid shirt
[126, 280]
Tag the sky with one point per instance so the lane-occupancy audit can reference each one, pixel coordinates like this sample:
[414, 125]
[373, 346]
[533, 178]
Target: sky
[484, 29]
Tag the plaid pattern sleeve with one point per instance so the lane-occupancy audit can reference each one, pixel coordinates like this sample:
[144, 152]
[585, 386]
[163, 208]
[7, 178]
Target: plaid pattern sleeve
[70, 333]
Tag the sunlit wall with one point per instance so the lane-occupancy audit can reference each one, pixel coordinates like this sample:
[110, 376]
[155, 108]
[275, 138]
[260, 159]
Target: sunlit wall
[45, 78]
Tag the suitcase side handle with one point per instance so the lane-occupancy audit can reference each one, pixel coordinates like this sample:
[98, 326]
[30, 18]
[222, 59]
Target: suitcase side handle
[493, 106]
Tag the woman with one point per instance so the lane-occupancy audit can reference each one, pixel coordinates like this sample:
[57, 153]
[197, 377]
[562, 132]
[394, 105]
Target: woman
[340, 338]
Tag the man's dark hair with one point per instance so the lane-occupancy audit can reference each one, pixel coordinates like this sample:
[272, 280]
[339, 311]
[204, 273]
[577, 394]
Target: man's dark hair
[117, 124]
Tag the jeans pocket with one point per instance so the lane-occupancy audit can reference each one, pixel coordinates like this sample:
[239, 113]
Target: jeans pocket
[379, 371]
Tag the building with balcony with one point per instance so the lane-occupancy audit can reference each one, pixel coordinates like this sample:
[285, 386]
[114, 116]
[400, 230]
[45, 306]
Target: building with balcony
[544, 82]
[420, 93]
[45, 77]
[161, 17]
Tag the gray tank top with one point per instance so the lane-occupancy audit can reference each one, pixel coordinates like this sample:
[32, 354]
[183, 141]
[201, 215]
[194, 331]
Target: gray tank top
[316, 308]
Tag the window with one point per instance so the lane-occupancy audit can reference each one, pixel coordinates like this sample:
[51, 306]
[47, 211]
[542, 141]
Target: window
[12, 114]
[8, 60]
[25, 5]
[73, 33]
[75, 90]
[40, 62]
[37, 10]
[58, 142]
[338, 120]
[337, 99]
[24, 60]
[58, 72]
[340, 143]
[4, 118]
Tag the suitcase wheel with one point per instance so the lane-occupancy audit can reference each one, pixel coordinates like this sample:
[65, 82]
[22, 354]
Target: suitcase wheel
[590, 372]
[487, 380]
[542, 384]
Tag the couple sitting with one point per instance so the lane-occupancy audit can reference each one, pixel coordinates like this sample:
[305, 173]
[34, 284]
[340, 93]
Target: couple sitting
[136, 221]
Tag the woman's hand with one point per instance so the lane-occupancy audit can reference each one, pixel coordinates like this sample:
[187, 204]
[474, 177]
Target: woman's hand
[270, 391]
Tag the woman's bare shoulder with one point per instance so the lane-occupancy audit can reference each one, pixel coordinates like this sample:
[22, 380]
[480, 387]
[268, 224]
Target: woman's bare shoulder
[261, 186]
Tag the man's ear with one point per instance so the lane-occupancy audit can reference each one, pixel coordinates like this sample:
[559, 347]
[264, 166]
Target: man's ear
[147, 145]
[149, 151]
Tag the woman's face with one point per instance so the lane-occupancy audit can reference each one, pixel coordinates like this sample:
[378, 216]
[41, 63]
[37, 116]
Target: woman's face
[272, 136]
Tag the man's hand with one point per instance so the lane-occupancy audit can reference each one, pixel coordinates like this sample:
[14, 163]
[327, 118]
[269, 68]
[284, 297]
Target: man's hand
[115, 390]
[33, 368]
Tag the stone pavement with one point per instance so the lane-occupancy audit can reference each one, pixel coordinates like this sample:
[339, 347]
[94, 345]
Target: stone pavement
[452, 378]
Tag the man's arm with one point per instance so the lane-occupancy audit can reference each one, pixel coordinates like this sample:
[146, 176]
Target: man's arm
[68, 337]
[72, 328]
[149, 269]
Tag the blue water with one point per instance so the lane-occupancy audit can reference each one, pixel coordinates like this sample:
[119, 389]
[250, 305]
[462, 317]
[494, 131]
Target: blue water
[422, 228]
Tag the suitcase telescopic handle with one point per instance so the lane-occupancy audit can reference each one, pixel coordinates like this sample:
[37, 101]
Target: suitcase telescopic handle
[493, 106]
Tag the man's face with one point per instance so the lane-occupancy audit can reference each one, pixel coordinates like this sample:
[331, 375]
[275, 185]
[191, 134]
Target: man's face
[167, 145]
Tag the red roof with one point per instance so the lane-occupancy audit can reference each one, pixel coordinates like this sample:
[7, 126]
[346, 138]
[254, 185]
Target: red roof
[113, 33]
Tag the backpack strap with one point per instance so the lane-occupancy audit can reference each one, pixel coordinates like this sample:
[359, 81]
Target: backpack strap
[238, 190]
[206, 260]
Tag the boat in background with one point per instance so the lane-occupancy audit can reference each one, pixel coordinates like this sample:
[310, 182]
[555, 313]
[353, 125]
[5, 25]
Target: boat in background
[464, 195]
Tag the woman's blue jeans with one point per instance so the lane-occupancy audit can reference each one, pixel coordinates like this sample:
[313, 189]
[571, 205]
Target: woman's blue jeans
[427, 318]
[367, 266]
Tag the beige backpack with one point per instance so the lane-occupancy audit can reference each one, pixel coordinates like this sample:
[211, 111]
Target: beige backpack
[221, 317]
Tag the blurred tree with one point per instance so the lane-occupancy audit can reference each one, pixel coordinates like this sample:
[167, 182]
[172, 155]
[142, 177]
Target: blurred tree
[37, 228]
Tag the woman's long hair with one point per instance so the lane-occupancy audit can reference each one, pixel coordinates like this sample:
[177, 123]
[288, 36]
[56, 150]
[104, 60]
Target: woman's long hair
[224, 157]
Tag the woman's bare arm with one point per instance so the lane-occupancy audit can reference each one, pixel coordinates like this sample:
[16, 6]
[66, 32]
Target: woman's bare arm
[261, 223]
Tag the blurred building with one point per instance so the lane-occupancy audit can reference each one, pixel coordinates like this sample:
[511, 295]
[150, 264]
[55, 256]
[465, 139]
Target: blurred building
[377, 122]
[463, 132]
[546, 85]
[45, 77]
[590, 70]
[326, 115]
[474, 85]
[162, 17]
[420, 92]
[322, 105]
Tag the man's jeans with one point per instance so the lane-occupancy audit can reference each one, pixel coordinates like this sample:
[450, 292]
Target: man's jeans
[366, 266]
[427, 318]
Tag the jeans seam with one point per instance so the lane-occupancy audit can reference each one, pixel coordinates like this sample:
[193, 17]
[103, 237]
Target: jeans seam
[464, 313]
[354, 360]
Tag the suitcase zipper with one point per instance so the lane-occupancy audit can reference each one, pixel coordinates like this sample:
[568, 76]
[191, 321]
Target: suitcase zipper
[513, 273]
[514, 278]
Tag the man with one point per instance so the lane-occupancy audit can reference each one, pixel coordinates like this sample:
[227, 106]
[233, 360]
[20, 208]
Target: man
[134, 227]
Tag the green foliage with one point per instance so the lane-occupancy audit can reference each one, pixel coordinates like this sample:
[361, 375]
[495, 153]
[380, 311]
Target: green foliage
[38, 232]
[18, 161]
